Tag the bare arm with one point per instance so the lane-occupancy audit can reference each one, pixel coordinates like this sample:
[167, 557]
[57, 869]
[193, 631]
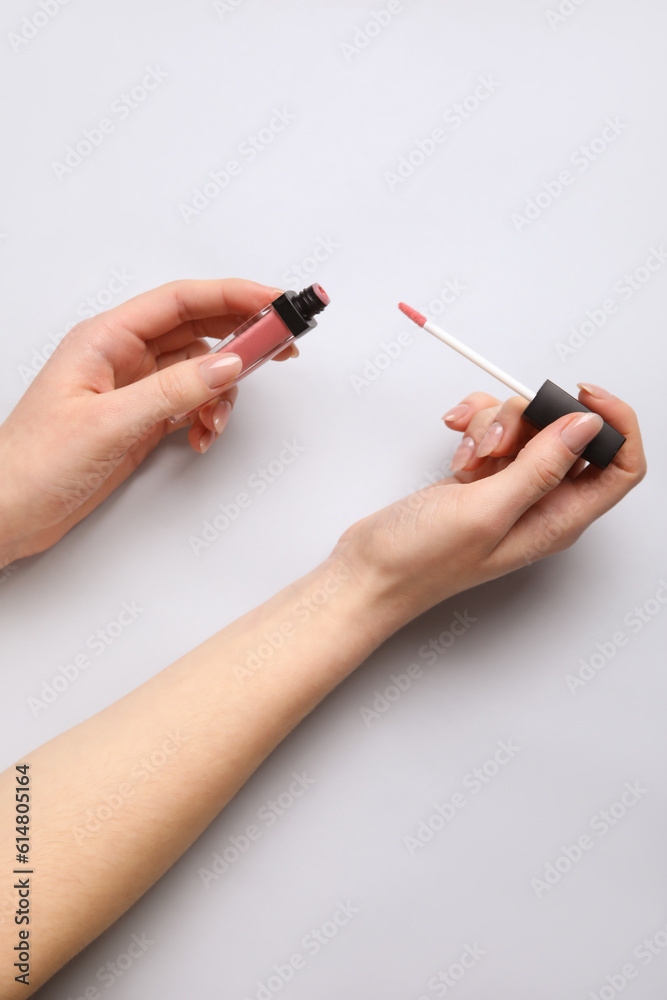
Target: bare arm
[168, 756]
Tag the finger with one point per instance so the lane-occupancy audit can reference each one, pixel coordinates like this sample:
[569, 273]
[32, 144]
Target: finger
[211, 327]
[465, 455]
[214, 415]
[537, 469]
[131, 410]
[200, 437]
[497, 431]
[630, 457]
[560, 517]
[508, 433]
[460, 415]
[160, 310]
[290, 352]
[601, 489]
[195, 349]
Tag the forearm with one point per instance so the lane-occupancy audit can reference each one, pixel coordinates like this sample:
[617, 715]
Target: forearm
[168, 756]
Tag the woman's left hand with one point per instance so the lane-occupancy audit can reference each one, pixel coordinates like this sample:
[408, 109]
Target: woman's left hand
[102, 402]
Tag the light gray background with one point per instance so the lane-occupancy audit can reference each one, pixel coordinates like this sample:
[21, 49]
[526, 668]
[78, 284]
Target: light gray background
[324, 178]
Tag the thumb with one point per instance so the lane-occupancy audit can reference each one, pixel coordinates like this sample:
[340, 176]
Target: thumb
[541, 465]
[172, 392]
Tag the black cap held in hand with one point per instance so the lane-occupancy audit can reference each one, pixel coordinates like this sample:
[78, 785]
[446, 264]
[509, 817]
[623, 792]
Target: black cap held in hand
[552, 402]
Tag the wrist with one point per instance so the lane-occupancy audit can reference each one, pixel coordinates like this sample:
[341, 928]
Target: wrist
[372, 601]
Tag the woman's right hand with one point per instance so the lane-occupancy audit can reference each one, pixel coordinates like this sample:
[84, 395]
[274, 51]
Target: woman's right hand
[497, 512]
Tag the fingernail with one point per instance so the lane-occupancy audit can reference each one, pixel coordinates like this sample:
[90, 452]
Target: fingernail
[216, 370]
[463, 454]
[278, 291]
[491, 439]
[221, 415]
[577, 434]
[206, 440]
[595, 390]
[458, 412]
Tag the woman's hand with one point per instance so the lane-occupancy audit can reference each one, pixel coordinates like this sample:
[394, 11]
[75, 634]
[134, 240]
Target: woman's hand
[515, 496]
[101, 403]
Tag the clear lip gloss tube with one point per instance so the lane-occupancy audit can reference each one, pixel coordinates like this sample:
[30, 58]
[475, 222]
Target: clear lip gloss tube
[271, 330]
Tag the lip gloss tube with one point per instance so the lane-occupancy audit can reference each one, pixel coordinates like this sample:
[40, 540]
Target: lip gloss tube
[271, 330]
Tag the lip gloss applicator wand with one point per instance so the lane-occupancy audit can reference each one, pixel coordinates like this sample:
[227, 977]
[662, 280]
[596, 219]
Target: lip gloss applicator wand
[546, 405]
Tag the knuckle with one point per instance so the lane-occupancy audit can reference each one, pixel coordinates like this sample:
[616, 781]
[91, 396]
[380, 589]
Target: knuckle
[543, 474]
[173, 387]
[177, 290]
[79, 330]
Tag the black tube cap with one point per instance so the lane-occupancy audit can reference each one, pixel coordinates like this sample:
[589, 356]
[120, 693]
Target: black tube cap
[552, 402]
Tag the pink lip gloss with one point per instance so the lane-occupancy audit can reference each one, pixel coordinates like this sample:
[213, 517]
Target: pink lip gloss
[271, 330]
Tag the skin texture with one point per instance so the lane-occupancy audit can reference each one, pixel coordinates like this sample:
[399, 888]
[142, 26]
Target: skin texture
[496, 514]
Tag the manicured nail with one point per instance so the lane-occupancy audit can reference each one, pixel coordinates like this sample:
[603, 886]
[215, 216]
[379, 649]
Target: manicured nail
[221, 415]
[216, 370]
[206, 440]
[491, 439]
[577, 434]
[458, 412]
[595, 390]
[463, 454]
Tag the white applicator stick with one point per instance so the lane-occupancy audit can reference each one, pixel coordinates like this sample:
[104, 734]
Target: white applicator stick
[544, 406]
[467, 352]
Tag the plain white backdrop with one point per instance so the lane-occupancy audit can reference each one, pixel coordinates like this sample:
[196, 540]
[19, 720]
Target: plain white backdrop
[395, 214]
